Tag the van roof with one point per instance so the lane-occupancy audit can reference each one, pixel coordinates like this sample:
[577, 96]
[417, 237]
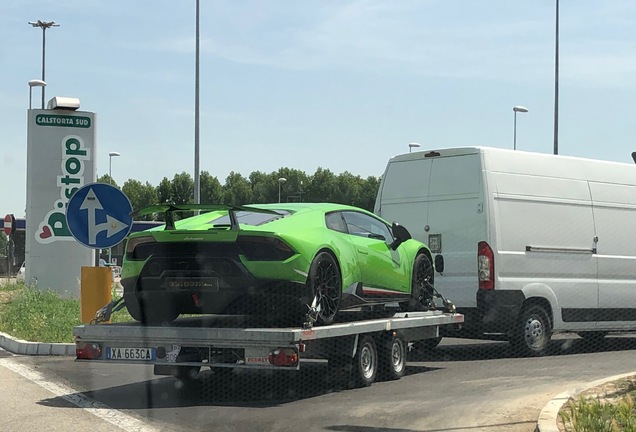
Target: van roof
[533, 163]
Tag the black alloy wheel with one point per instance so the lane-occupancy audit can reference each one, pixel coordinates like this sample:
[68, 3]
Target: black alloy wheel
[326, 284]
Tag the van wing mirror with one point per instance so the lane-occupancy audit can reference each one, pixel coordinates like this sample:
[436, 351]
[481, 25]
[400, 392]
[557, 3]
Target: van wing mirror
[439, 263]
[400, 235]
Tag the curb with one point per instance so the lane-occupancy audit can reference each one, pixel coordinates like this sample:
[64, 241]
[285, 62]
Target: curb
[549, 414]
[17, 346]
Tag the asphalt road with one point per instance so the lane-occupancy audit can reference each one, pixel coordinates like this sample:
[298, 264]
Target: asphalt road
[461, 386]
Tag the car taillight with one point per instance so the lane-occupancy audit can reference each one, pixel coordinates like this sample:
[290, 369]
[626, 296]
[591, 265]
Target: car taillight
[87, 351]
[485, 266]
[256, 248]
[139, 248]
[283, 357]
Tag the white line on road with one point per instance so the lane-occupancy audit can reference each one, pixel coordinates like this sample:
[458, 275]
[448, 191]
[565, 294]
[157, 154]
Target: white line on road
[94, 407]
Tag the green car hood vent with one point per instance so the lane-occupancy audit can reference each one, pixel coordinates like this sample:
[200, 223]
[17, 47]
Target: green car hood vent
[170, 209]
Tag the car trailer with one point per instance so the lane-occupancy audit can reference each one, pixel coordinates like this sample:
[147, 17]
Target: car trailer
[357, 350]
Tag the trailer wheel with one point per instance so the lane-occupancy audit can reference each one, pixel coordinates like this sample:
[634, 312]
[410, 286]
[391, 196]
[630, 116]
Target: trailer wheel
[365, 362]
[533, 332]
[326, 284]
[392, 357]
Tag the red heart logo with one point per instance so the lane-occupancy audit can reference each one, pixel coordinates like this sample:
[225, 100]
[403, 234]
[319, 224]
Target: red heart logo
[46, 232]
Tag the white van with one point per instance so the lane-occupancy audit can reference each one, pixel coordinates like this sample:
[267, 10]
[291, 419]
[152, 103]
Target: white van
[532, 243]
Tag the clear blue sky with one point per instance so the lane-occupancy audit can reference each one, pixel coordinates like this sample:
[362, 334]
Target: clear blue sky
[342, 85]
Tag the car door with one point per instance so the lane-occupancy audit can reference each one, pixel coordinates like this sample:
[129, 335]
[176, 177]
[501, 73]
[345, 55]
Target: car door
[380, 266]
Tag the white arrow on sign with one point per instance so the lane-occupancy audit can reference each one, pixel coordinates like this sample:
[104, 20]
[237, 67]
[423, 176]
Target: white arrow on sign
[112, 226]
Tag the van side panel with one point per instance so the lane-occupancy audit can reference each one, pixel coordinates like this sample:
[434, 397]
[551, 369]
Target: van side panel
[615, 216]
[545, 235]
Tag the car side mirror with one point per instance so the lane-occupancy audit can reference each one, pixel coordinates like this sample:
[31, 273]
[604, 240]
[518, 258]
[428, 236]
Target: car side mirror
[400, 235]
[439, 263]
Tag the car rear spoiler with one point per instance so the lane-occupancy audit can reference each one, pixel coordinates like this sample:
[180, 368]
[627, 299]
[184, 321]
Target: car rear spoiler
[170, 209]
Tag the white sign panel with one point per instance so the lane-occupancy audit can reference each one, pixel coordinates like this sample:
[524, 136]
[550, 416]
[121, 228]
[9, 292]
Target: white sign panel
[60, 160]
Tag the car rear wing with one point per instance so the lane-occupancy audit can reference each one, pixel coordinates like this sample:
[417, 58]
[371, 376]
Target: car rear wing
[170, 209]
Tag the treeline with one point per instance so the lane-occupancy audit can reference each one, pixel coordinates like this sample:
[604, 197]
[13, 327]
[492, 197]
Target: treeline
[292, 185]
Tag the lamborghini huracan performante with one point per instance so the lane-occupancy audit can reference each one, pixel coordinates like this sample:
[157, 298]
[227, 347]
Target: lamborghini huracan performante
[300, 262]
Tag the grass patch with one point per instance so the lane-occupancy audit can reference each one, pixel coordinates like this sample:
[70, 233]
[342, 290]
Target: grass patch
[42, 316]
[595, 415]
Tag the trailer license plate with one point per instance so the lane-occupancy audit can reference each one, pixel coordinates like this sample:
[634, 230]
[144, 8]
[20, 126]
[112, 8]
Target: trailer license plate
[138, 354]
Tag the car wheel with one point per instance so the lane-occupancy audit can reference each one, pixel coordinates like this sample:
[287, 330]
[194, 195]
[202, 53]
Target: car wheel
[421, 295]
[392, 357]
[326, 285]
[533, 332]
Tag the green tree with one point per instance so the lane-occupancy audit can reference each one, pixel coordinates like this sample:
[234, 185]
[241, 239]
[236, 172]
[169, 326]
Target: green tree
[182, 189]
[140, 195]
[368, 193]
[107, 179]
[237, 189]
[322, 186]
[164, 191]
[211, 189]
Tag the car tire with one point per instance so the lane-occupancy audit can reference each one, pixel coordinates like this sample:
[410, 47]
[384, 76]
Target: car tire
[392, 357]
[325, 283]
[421, 297]
[533, 332]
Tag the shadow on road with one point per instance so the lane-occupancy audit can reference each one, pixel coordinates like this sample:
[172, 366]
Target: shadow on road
[562, 345]
[255, 389]
[352, 428]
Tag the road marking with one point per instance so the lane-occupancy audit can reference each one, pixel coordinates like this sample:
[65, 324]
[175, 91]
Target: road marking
[78, 399]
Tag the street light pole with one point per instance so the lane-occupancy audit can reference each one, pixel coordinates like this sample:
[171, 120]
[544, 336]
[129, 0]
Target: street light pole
[34, 83]
[517, 109]
[43, 25]
[280, 182]
[412, 145]
[197, 180]
[110, 178]
[556, 82]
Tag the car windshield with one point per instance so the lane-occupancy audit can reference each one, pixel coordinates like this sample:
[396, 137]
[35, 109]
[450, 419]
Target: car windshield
[436, 204]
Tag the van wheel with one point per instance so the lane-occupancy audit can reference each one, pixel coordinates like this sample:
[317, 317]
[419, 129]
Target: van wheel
[533, 332]
[421, 295]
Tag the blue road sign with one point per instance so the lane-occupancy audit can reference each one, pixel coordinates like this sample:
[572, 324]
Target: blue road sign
[98, 215]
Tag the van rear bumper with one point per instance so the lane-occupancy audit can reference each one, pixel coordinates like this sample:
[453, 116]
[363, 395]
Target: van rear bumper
[499, 310]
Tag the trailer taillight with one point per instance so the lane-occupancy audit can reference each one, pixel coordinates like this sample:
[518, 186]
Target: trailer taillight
[87, 351]
[283, 357]
[485, 266]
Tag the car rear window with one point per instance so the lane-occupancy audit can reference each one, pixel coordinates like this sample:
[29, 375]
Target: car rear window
[251, 218]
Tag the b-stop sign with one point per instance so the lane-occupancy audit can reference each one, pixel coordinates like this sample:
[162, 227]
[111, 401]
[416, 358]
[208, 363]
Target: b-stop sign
[9, 224]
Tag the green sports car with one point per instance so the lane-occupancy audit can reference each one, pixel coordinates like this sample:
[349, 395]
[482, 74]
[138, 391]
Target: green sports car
[295, 261]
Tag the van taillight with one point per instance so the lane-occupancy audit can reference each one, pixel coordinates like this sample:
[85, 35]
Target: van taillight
[485, 266]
